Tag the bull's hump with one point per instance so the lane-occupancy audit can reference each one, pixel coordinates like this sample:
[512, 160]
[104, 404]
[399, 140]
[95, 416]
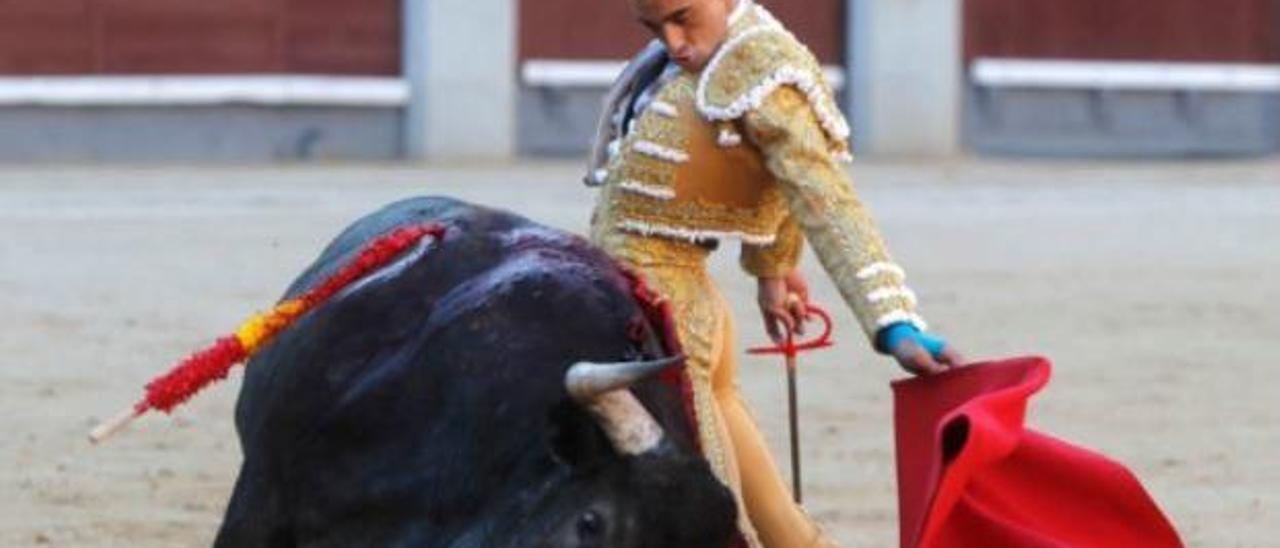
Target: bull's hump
[532, 269]
[530, 235]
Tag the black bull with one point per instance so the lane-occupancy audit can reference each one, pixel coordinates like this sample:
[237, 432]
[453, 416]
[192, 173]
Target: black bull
[426, 405]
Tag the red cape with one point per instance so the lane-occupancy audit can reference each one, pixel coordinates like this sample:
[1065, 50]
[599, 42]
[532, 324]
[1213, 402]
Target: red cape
[970, 474]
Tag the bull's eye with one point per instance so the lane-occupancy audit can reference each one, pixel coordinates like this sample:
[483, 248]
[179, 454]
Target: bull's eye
[590, 525]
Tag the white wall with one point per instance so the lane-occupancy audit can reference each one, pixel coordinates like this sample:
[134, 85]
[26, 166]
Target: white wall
[905, 69]
[459, 58]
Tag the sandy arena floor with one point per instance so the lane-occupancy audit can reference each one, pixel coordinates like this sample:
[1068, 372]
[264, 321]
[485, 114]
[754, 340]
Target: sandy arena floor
[1154, 289]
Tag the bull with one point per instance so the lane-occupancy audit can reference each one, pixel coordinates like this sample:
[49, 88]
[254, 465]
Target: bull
[494, 387]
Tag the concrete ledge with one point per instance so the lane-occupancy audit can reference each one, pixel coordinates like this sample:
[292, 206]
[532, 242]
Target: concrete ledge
[557, 121]
[77, 91]
[1122, 109]
[198, 134]
[202, 119]
[1119, 75]
[1120, 123]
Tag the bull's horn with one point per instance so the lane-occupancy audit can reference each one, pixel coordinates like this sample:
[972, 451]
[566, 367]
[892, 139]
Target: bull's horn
[602, 389]
[586, 380]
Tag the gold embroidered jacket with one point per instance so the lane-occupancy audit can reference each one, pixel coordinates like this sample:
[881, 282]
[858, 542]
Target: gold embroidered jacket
[749, 149]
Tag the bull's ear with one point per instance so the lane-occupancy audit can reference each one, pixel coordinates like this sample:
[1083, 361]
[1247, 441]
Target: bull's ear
[573, 437]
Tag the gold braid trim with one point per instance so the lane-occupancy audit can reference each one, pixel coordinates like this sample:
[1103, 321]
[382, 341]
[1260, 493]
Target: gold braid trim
[757, 59]
[648, 207]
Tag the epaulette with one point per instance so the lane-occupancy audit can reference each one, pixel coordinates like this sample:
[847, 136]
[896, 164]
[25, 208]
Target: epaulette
[752, 64]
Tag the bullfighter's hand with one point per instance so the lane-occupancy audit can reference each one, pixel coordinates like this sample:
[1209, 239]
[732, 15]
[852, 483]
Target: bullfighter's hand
[782, 304]
[916, 359]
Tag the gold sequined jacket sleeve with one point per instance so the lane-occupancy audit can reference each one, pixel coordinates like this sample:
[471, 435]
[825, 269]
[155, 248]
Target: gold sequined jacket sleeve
[824, 206]
[777, 259]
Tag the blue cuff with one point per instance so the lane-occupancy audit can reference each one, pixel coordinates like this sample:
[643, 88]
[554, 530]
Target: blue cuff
[892, 335]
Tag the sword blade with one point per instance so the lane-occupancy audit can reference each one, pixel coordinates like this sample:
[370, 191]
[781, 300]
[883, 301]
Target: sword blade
[793, 415]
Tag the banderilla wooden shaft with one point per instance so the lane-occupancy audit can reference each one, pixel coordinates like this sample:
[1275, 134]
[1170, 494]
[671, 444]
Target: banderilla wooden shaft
[109, 427]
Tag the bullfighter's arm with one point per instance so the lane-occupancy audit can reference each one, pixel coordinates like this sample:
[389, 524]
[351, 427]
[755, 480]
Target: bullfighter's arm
[823, 206]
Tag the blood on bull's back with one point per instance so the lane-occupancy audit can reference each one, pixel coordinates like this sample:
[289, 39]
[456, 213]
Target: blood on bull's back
[426, 404]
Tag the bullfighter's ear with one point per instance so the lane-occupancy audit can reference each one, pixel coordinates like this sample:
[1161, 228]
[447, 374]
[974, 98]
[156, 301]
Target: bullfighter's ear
[573, 437]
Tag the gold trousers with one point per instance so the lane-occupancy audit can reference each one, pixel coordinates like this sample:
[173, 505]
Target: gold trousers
[730, 439]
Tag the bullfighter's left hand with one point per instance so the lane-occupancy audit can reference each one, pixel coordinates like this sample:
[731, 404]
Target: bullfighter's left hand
[918, 352]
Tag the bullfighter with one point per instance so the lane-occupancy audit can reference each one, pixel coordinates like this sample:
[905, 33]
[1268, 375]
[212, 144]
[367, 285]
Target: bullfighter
[724, 128]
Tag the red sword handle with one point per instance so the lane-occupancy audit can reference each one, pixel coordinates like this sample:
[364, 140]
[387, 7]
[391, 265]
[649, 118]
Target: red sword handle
[790, 349]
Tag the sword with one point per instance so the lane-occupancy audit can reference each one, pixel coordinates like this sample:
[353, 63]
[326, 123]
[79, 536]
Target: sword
[789, 350]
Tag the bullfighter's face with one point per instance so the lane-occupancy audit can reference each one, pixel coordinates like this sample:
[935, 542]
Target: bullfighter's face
[691, 30]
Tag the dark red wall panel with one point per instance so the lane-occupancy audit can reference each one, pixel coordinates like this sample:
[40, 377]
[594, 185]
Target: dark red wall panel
[342, 36]
[578, 29]
[187, 36]
[819, 24]
[1143, 30]
[199, 36]
[45, 37]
